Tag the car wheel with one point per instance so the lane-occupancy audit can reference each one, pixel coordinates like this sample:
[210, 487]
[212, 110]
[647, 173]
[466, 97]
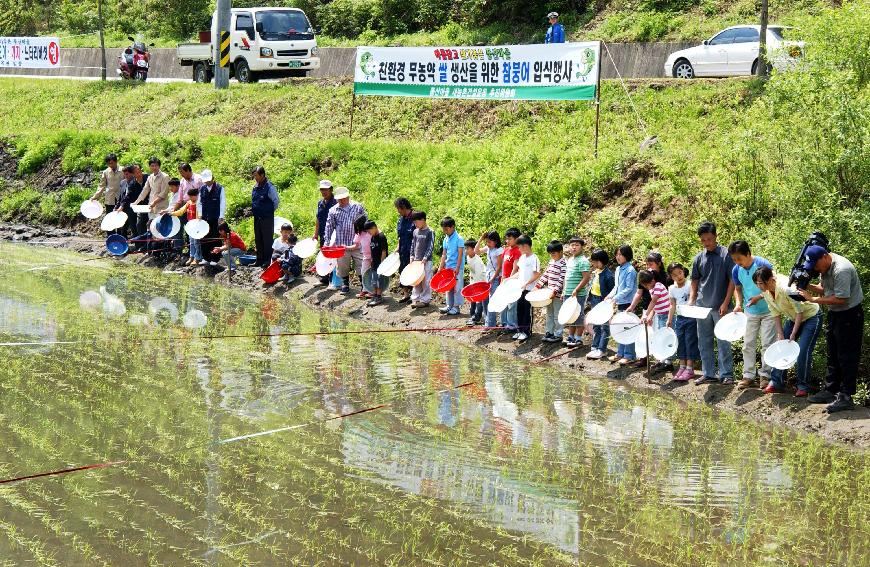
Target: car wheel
[755, 68]
[243, 72]
[683, 69]
[201, 73]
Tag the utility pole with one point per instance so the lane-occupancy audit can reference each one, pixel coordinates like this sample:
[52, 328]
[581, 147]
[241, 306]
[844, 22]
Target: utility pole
[761, 69]
[102, 38]
[220, 44]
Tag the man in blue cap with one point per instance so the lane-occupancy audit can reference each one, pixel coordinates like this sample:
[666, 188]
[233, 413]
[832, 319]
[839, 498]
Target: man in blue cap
[841, 292]
[555, 33]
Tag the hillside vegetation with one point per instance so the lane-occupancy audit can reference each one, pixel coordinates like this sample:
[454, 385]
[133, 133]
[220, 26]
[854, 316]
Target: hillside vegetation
[406, 22]
[769, 163]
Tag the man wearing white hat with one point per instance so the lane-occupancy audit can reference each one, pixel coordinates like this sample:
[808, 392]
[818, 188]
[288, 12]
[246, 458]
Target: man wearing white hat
[211, 207]
[340, 232]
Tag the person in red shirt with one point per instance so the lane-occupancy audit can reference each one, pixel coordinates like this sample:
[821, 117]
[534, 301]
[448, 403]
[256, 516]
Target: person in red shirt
[511, 255]
[232, 248]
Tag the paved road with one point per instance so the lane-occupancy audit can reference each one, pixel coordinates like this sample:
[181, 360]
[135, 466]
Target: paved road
[114, 78]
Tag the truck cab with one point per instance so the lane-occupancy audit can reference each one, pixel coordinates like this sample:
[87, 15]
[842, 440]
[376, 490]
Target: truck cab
[263, 42]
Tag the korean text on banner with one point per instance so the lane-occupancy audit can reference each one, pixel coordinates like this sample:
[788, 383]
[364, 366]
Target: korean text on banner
[567, 71]
[29, 52]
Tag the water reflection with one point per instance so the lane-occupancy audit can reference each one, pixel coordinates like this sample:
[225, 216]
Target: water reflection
[564, 461]
[437, 471]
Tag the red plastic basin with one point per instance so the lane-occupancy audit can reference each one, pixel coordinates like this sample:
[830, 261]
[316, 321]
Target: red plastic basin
[443, 281]
[333, 252]
[271, 274]
[476, 292]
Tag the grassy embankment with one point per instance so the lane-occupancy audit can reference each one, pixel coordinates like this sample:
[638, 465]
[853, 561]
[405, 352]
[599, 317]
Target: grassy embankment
[770, 163]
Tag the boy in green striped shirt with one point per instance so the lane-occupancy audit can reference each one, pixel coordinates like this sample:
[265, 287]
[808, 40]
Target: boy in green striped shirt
[577, 277]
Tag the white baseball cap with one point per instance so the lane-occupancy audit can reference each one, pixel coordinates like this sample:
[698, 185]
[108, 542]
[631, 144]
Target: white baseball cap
[342, 193]
[326, 184]
[206, 175]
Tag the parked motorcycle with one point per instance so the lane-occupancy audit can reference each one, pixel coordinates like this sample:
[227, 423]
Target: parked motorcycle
[134, 61]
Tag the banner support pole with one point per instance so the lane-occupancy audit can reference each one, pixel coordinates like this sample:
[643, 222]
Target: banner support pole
[598, 98]
[352, 107]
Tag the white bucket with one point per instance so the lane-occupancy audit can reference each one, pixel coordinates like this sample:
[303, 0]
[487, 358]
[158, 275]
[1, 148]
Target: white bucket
[413, 274]
[141, 209]
[390, 265]
[306, 248]
[624, 327]
[693, 311]
[114, 221]
[663, 344]
[782, 355]
[731, 327]
[540, 297]
[570, 311]
[196, 229]
[324, 266]
[91, 209]
[601, 314]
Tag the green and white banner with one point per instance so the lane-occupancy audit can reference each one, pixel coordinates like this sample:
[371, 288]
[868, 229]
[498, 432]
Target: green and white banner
[565, 71]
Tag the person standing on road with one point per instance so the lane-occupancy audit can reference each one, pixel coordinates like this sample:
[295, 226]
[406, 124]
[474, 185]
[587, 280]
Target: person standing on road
[156, 188]
[555, 33]
[326, 202]
[340, 232]
[110, 184]
[264, 202]
[841, 292]
[405, 229]
[712, 287]
[212, 208]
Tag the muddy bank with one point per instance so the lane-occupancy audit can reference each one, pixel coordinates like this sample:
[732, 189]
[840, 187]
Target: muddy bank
[848, 428]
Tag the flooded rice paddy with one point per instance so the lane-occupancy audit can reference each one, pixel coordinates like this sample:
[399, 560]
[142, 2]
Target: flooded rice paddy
[473, 459]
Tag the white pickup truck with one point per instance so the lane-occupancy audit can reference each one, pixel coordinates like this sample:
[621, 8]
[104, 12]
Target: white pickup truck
[263, 42]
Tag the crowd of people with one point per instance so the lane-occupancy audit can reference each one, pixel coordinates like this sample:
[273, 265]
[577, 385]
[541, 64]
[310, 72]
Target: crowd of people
[720, 279]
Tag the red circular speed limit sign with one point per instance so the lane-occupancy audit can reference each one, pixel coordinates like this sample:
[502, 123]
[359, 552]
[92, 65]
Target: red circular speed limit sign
[53, 53]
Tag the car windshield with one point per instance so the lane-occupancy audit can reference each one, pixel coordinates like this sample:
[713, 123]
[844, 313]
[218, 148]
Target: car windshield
[290, 24]
[776, 32]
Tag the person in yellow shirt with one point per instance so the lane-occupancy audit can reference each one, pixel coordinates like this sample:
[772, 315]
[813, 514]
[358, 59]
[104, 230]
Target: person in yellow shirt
[803, 324]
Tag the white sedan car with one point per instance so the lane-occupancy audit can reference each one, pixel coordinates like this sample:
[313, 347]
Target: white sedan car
[733, 52]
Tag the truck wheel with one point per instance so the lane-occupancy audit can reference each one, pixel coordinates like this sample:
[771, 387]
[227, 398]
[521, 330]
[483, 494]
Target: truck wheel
[243, 72]
[201, 73]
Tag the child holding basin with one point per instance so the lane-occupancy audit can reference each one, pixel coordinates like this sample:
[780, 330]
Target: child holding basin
[476, 274]
[602, 284]
[528, 269]
[189, 213]
[578, 274]
[490, 244]
[685, 327]
[554, 278]
[622, 294]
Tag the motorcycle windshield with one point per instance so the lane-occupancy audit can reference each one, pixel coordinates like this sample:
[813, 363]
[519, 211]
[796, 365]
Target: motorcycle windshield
[139, 46]
[284, 24]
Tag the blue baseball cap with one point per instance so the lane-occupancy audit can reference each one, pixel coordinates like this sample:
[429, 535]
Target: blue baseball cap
[813, 255]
